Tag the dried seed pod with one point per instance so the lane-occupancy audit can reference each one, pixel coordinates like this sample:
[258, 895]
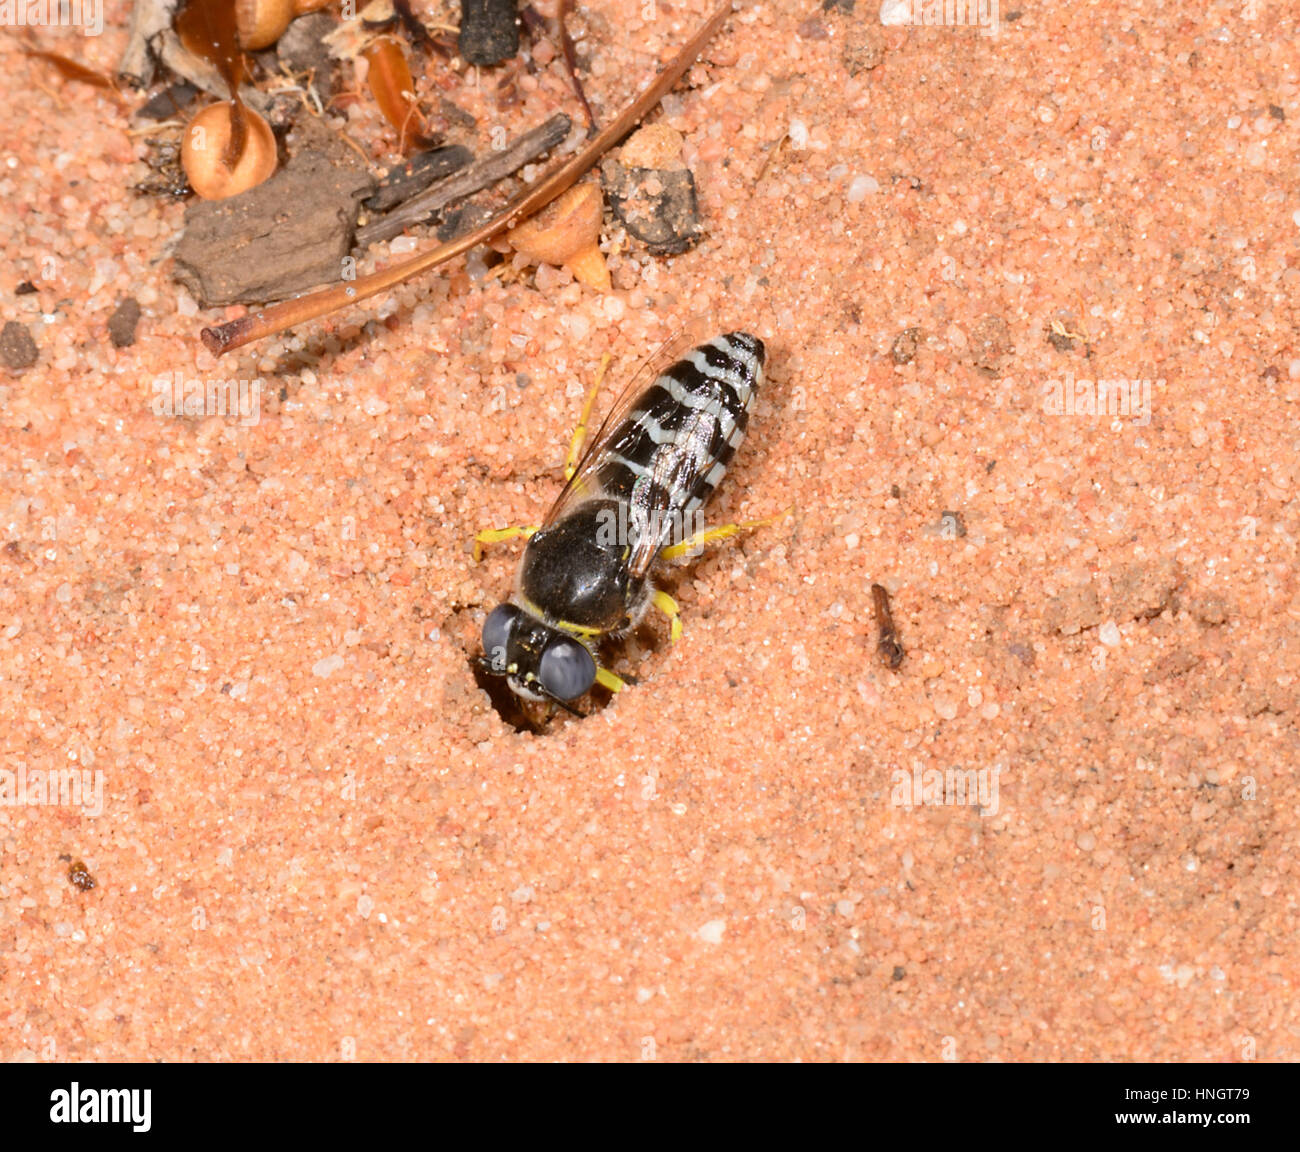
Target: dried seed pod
[262, 22]
[203, 153]
[567, 232]
[389, 77]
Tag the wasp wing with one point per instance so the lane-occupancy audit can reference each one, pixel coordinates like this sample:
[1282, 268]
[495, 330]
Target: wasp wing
[676, 470]
[583, 484]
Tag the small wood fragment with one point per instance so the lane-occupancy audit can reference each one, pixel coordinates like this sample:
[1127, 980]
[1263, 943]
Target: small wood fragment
[149, 19]
[491, 169]
[408, 179]
[888, 645]
[280, 238]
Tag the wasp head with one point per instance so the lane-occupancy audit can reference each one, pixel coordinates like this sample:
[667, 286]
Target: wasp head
[539, 661]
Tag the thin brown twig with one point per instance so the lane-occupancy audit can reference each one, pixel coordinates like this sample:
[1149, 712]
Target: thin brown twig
[571, 64]
[268, 321]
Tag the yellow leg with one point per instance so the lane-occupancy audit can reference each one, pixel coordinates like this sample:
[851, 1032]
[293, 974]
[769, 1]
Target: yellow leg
[606, 679]
[721, 532]
[668, 606]
[580, 433]
[496, 535]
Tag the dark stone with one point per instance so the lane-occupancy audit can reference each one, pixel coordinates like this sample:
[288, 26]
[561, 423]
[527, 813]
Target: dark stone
[121, 325]
[488, 31]
[656, 205]
[17, 348]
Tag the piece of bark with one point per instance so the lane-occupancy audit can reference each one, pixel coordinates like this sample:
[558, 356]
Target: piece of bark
[656, 205]
[488, 31]
[149, 19]
[18, 350]
[481, 174]
[121, 325]
[416, 174]
[280, 238]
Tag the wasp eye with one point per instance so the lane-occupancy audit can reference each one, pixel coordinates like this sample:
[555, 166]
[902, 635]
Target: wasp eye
[567, 669]
[497, 629]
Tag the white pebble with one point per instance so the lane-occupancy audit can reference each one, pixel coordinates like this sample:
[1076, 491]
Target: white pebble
[861, 188]
[798, 134]
[1108, 634]
[328, 666]
[896, 13]
[711, 933]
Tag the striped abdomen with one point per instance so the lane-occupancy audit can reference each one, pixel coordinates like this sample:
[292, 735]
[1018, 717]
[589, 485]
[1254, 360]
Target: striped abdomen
[672, 448]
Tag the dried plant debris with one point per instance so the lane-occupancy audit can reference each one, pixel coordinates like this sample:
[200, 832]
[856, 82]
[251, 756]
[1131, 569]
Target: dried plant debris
[150, 19]
[413, 176]
[280, 238]
[484, 173]
[266, 321]
[888, 645]
[18, 350]
[302, 50]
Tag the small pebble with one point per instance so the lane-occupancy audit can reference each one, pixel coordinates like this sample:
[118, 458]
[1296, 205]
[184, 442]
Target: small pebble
[711, 933]
[17, 348]
[861, 188]
[328, 666]
[121, 325]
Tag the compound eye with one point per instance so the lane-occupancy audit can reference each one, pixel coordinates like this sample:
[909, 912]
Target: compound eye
[567, 669]
[497, 629]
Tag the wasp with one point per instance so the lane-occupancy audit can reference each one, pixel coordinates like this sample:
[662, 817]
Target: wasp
[630, 501]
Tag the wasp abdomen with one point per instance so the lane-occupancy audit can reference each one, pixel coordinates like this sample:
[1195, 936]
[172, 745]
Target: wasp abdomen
[696, 411]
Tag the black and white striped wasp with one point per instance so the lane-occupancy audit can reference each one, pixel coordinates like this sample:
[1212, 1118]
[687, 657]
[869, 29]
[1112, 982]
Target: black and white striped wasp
[632, 500]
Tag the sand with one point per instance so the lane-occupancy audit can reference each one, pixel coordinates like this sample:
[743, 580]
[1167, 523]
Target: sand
[312, 835]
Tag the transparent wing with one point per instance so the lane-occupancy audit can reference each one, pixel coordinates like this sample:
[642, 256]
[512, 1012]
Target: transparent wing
[583, 485]
[675, 471]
